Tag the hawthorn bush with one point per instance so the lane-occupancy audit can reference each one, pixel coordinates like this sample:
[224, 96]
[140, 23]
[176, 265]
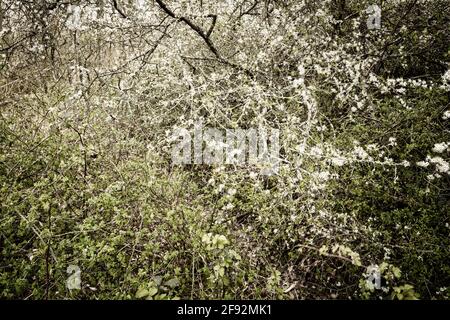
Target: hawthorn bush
[91, 92]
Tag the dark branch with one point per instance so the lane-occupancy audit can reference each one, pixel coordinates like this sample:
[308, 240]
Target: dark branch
[193, 26]
[213, 23]
[15, 44]
[116, 6]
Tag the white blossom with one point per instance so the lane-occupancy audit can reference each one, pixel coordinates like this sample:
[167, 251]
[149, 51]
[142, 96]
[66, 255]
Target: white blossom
[423, 164]
[441, 164]
[440, 147]
[446, 76]
[446, 115]
[405, 163]
[392, 141]
[360, 153]
[298, 82]
[316, 151]
[338, 161]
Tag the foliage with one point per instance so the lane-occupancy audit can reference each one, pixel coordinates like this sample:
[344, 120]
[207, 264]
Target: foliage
[90, 93]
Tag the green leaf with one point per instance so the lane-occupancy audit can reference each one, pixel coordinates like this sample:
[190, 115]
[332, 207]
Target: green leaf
[142, 292]
[172, 283]
[152, 291]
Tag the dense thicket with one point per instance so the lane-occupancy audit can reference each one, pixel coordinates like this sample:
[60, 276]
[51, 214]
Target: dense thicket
[90, 92]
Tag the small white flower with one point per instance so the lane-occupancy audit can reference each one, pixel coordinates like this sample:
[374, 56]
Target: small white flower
[392, 141]
[423, 164]
[338, 161]
[298, 82]
[316, 151]
[440, 147]
[446, 76]
[301, 70]
[446, 115]
[301, 148]
[441, 165]
[322, 176]
[229, 206]
[253, 175]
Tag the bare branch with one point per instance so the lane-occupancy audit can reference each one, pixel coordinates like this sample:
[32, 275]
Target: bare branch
[116, 6]
[203, 35]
